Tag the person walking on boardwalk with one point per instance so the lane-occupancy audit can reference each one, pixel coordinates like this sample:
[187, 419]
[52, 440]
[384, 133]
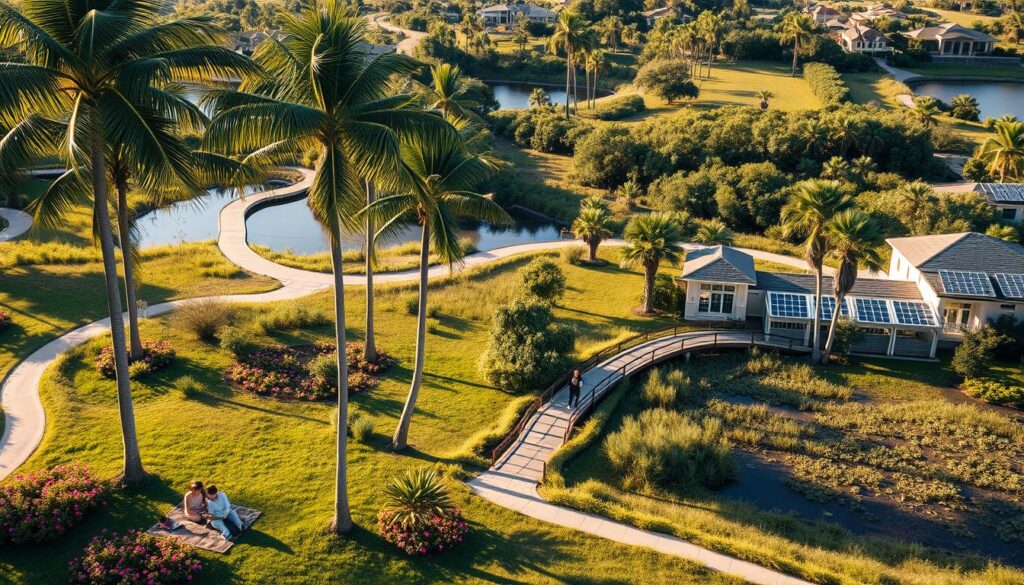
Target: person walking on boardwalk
[575, 385]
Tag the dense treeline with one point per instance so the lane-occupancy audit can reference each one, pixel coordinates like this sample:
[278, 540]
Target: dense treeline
[826, 84]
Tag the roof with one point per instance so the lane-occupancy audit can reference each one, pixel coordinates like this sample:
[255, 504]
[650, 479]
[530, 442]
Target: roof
[966, 251]
[863, 33]
[658, 12]
[878, 11]
[863, 287]
[719, 264]
[837, 23]
[949, 30]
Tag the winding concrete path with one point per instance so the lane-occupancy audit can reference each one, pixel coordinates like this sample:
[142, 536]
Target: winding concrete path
[512, 481]
[412, 38]
[18, 222]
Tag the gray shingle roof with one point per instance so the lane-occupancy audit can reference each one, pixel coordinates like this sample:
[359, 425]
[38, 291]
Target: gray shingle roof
[967, 251]
[720, 264]
[864, 287]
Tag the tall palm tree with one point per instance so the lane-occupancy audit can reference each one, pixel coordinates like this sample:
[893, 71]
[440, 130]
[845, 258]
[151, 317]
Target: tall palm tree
[593, 225]
[1004, 151]
[323, 91]
[653, 239]
[571, 35]
[90, 80]
[714, 232]
[447, 93]
[594, 65]
[710, 26]
[854, 238]
[539, 98]
[809, 209]
[914, 205]
[441, 174]
[796, 28]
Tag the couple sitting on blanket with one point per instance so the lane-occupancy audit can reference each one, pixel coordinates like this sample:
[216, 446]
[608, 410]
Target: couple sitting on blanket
[211, 505]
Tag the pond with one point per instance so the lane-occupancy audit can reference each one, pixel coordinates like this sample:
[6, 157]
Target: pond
[994, 98]
[290, 226]
[194, 220]
[516, 96]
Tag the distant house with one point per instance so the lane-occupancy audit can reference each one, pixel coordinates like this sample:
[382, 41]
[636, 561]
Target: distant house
[858, 38]
[837, 24]
[953, 40]
[1007, 198]
[875, 12]
[821, 13]
[937, 287]
[651, 17]
[504, 14]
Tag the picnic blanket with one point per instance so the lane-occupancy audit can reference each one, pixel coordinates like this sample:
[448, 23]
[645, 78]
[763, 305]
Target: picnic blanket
[204, 537]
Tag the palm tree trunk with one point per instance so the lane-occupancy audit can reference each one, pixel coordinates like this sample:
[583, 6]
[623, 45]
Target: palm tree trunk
[593, 243]
[832, 329]
[575, 92]
[401, 438]
[133, 470]
[796, 49]
[342, 516]
[649, 273]
[370, 351]
[568, 74]
[124, 235]
[815, 350]
[711, 56]
[586, 87]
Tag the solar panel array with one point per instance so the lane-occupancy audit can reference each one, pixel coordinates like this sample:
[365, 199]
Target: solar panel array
[872, 310]
[1012, 285]
[788, 305]
[962, 282]
[913, 313]
[1004, 193]
[828, 305]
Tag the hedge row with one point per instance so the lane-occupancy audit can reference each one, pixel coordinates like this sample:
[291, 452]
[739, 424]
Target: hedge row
[826, 83]
[619, 108]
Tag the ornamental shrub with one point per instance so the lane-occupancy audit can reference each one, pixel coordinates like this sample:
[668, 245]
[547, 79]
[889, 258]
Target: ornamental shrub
[238, 341]
[41, 506]
[134, 558]
[290, 317]
[572, 255]
[542, 279]
[973, 357]
[203, 318]
[995, 392]
[527, 349]
[5, 320]
[156, 355]
[826, 84]
[419, 517]
[668, 79]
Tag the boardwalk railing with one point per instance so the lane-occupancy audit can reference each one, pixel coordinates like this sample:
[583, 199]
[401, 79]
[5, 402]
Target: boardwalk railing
[612, 350]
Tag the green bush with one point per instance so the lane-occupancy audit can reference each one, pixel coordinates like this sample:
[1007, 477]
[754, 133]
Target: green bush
[669, 450]
[527, 349]
[668, 79]
[238, 341]
[846, 335]
[203, 318]
[542, 279]
[973, 357]
[289, 317]
[619, 108]
[995, 392]
[666, 389]
[362, 428]
[189, 387]
[323, 366]
[572, 255]
[826, 84]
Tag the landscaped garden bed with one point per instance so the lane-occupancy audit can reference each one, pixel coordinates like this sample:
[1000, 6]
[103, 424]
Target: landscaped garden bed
[156, 355]
[134, 558]
[41, 506]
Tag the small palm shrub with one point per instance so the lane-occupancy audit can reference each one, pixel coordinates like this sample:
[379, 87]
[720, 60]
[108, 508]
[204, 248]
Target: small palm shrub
[40, 506]
[290, 317]
[134, 558]
[203, 318]
[419, 516]
[156, 355]
[5, 320]
[669, 450]
[238, 341]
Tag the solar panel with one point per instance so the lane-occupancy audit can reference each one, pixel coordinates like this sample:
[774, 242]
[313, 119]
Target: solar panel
[828, 304]
[913, 313]
[1012, 285]
[872, 310]
[788, 305]
[961, 282]
[1008, 192]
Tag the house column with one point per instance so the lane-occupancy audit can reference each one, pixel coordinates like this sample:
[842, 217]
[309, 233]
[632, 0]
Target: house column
[807, 333]
[935, 343]
[892, 343]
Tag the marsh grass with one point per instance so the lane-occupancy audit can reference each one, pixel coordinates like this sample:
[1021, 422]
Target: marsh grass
[397, 258]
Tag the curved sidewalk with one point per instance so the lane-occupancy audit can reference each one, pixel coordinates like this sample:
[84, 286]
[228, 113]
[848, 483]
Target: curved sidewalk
[512, 481]
[18, 222]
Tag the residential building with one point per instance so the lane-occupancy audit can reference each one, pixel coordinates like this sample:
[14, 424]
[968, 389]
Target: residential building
[651, 17]
[1007, 198]
[875, 12]
[821, 13]
[858, 38]
[936, 287]
[506, 14]
[953, 40]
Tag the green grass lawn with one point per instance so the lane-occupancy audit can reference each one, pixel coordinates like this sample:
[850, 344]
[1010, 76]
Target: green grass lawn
[874, 87]
[833, 448]
[966, 71]
[278, 456]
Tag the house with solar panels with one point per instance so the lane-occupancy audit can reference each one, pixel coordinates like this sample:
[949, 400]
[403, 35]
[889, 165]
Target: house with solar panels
[936, 287]
[1007, 198]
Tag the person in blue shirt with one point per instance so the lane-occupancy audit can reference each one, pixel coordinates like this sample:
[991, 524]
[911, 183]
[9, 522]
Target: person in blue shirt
[221, 516]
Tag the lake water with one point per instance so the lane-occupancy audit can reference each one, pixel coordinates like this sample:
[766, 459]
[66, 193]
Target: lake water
[516, 96]
[994, 98]
[194, 220]
[290, 226]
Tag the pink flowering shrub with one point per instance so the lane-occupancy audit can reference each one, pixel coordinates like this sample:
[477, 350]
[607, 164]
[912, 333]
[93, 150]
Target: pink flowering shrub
[434, 534]
[5, 320]
[133, 558]
[42, 505]
[308, 373]
[156, 355]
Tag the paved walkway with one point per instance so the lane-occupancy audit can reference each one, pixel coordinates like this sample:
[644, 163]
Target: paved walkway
[18, 222]
[512, 481]
[412, 37]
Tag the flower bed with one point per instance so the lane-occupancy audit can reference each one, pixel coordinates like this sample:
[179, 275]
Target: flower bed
[5, 320]
[156, 355]
[437, 534]
[135, 557]
[303, 373]
[42, 505]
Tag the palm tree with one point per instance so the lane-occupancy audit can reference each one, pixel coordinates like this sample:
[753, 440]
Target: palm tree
[810, 207]
[915, 199]
[539, 98]
[447, 93]
[653, 239]
[764, 95]
[571, 35]
[861, 167]
[709, 26]
[796, 28]
[468, 28]
[592, 225]
[630, 191]
[93, 77]
[441, 173]
[927, 111]
[1004, 151]
[854, 238]
[323, 91]
[1003, 231]
[836, 168]
[594, 65]
[714, 233]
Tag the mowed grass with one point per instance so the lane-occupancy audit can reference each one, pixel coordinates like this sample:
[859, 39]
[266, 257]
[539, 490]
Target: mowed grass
[278, 457]
[874, 87]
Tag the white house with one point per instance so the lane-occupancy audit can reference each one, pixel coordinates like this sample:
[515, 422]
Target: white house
[821, 13]
[504, 14]
[1007, 198]
[953, 40]
[937, 287]
[858, 38]
[875, 12]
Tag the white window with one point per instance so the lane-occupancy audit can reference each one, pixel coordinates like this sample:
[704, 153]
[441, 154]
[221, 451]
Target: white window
[788, 325]
[716, 299]
[957, 313]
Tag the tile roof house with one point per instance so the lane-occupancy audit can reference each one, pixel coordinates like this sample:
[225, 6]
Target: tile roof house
[953, 39]
[936, 287]
[821, 13]
[503, 14]
[875, 12]
[858, 38]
